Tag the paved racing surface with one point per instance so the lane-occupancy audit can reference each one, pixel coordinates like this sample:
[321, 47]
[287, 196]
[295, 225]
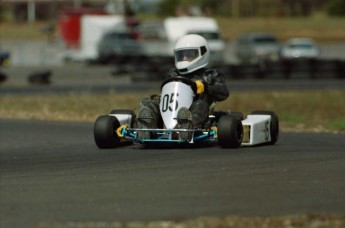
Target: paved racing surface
[52, 172]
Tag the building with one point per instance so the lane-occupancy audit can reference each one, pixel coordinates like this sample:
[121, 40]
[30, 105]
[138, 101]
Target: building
[33, 10]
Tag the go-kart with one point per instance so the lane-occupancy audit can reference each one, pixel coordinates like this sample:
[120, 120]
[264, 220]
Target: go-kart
[228, 129]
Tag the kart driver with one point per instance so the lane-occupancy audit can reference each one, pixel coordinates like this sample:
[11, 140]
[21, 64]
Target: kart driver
[192, 55]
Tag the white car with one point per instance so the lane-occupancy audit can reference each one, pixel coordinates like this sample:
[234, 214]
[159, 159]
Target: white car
[300, 48]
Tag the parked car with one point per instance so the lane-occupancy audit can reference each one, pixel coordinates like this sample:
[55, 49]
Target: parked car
[118, 46]
[4, 61]
[4, 57]
[300, 48]
[254, 47]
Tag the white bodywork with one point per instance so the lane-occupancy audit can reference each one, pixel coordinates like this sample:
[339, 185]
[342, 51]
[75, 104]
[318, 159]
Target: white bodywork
[92, 28]
[256, 130]
[175, 95]
[124, 119]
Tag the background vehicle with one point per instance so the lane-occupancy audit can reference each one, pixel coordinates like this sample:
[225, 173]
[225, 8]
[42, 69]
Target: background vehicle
[159, 38]
[4, 62]
[300, 48]
[118, 47]
[254, 47]
[4, 58]
[229, 130]
[88, 31]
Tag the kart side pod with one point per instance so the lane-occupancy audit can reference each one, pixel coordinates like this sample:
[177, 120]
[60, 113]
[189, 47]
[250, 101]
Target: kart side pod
[260, 128]
[124, 118]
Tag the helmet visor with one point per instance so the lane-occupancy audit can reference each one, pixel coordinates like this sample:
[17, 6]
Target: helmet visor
[186, 55]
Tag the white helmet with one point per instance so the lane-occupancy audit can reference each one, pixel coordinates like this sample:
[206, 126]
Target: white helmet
[191, 53]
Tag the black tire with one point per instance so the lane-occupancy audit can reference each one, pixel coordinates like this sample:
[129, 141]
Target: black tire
[238, 115]
[104, 132]
[274, 126]
[125, 112]
[219, 114]
[230, 131]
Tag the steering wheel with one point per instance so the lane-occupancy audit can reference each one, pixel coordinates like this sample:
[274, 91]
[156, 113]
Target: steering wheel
[185, 80]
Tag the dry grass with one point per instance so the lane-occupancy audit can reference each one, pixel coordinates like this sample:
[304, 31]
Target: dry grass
[298, 111]
[321, 28]
[18, 31]
[72, 107]
[311, 111]
[313, 221]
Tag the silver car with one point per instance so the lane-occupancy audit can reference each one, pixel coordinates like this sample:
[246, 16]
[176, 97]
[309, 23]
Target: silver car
[118, 46]
[256, 47]
[300, 48]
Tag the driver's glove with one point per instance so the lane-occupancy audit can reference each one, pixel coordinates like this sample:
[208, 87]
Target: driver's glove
[200, 87]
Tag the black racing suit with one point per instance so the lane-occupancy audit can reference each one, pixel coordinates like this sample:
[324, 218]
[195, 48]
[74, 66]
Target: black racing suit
[215, 90]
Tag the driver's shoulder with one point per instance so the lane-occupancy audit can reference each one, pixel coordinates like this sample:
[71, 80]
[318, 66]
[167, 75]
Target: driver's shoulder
[211, 70]
[173, 72]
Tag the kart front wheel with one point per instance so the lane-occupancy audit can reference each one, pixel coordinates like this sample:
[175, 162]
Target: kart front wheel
[104, 132]
[230, 131]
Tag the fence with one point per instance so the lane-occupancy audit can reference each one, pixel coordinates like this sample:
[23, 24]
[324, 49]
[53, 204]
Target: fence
[288, 69]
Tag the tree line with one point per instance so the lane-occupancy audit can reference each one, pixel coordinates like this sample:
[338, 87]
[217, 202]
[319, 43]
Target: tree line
[253, 8]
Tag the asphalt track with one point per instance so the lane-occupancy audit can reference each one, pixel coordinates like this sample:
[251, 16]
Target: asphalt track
[53, 172]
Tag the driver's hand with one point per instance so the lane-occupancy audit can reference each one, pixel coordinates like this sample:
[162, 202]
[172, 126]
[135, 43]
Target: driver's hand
[200, 87]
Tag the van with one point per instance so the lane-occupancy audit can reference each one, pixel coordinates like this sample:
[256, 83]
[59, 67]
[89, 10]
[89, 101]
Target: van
[159, 38]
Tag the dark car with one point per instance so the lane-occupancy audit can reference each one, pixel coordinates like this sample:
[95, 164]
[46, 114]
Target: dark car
[4, 61]
[118, 47]
[4, 58]
[254, 47]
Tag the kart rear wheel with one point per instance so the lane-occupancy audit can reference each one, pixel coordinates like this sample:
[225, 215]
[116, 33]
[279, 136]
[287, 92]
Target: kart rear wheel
[230, 131]
[219, 114]
[274, 126]
[104, 132]
[238, 115]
